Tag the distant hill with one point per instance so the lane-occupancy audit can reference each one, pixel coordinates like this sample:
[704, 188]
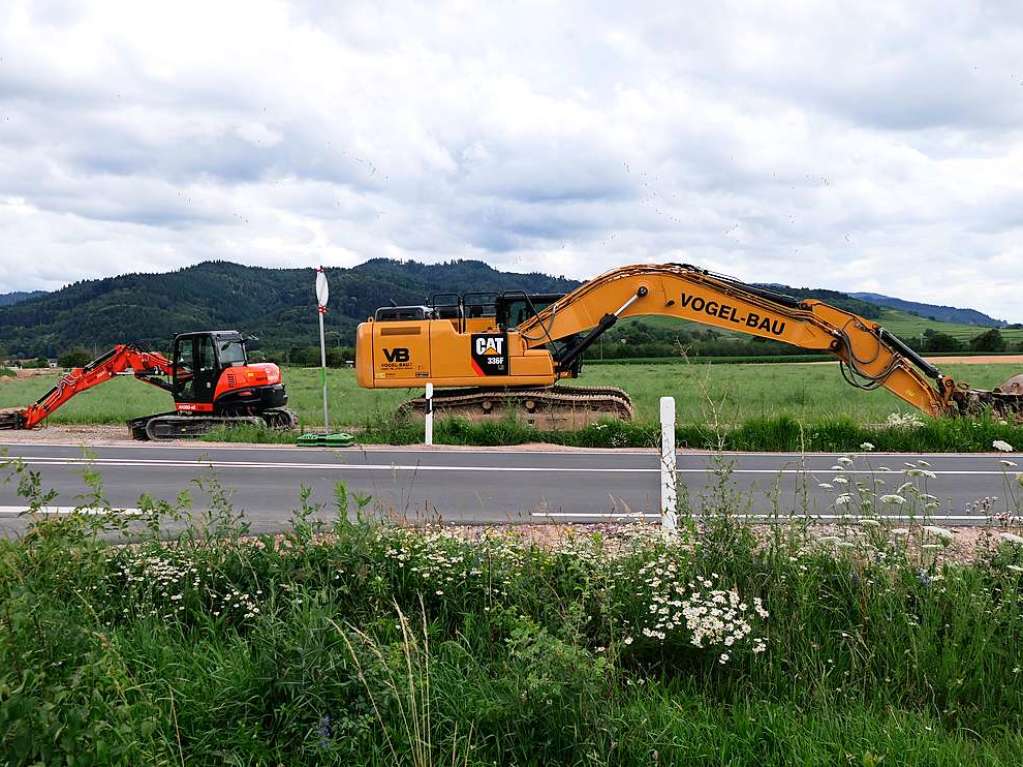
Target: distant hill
[9, 299]
[277, 305]
[934, 311]
[850, 302]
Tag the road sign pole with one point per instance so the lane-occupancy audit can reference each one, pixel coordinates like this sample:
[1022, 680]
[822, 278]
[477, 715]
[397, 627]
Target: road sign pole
[669, 491]
[322, 296]
[323, 372]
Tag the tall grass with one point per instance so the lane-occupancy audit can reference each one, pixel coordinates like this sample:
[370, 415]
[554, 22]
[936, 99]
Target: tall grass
[348, 641]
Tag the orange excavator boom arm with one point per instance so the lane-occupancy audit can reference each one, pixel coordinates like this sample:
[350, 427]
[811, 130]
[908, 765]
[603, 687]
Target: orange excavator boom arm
[870, 356]
[123, 358]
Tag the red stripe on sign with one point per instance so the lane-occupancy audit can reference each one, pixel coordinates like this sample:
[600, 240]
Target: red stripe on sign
[477, 368]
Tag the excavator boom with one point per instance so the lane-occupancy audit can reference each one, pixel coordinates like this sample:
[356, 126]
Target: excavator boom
[146, 366]
[871, 357]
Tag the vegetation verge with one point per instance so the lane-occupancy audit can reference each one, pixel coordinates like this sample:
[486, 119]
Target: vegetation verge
[348, 641]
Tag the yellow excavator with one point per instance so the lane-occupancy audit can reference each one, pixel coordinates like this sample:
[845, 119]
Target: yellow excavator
[489, 355]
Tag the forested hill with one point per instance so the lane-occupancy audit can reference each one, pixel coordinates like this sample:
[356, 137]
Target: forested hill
[934, 311]
[277, 305]
[7, 299]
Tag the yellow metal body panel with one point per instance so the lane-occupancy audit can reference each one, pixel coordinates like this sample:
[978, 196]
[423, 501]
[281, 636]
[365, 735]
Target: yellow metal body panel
[433, 351]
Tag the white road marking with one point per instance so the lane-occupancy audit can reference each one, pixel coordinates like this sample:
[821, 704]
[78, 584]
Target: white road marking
[15, 510]
[459, 450]
[220, 464]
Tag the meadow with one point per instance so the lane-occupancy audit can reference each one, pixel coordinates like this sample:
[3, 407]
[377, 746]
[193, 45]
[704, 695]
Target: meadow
[350, 641]
[727, 394]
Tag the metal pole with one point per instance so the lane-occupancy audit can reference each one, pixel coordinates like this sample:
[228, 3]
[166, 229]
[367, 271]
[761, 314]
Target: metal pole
[669, 492]
[323, 372]
[429, 414]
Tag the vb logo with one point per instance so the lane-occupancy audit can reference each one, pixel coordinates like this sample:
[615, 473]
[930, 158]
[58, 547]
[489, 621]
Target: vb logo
[397, 355]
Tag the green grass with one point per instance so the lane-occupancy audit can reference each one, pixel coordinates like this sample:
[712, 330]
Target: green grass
[377, 645]
[732, 394]
[760, 434]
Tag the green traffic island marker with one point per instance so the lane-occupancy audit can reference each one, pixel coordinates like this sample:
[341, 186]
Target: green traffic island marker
[337, 439]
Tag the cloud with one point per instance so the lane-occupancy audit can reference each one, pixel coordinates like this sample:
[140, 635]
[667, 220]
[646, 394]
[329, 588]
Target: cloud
[867, 147]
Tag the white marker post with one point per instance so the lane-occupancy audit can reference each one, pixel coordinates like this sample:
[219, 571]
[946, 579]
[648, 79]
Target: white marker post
[429, 414]
[322, 295]
[669, 493]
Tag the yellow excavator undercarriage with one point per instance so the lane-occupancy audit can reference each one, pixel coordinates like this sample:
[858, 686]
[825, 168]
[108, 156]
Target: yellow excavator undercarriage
[488, 355]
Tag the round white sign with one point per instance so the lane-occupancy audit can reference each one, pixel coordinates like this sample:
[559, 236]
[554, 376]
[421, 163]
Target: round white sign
[322, 290]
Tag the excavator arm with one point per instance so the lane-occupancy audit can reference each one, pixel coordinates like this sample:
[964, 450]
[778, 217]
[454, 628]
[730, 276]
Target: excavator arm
[123, 358]
[870, 356]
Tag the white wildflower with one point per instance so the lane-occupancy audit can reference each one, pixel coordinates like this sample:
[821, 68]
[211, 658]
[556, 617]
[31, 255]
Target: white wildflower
[1011, 538]
[1002, 446]
[844, 499]
[895, 500]
[866, 447]
[1008, 464]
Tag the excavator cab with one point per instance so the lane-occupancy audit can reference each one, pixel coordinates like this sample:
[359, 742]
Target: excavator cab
[211, 374]
[200, 358]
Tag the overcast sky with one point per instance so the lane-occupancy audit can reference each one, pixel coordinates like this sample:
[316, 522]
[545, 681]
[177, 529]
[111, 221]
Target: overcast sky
[859, 146]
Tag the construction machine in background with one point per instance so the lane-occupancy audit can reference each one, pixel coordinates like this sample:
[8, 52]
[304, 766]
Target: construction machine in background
[491, 355]
[209, 376]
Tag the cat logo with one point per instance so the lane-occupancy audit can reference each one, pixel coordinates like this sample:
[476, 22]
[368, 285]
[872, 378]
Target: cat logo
[489, 345]
[488, 354]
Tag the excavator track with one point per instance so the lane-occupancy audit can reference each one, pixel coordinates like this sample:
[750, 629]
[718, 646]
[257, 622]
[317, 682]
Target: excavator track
[555, 407]
[174, 425]
[11, 419]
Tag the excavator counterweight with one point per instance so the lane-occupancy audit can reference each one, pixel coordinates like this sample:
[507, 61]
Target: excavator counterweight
[507, 352]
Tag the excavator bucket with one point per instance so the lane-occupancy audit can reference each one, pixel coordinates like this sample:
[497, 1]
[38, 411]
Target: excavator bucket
[11, 419]
[1005, 401]
[1013, 386]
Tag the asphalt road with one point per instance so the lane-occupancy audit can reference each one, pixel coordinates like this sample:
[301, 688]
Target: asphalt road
[459, 485]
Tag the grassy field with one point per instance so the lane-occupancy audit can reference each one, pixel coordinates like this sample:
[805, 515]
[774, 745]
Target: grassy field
[378, 645]
[732, 394]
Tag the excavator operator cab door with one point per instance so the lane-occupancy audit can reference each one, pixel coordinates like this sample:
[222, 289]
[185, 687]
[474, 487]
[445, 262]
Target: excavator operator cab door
[196, 369]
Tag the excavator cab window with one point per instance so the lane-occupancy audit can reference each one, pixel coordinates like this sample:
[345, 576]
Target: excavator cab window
[232, 353]
[516, 307]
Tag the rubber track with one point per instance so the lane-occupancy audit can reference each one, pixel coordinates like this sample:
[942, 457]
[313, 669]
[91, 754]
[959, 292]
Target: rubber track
[198, 425]
[598, 399]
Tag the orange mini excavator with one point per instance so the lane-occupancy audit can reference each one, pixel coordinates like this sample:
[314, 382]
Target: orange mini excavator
[210, 378]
